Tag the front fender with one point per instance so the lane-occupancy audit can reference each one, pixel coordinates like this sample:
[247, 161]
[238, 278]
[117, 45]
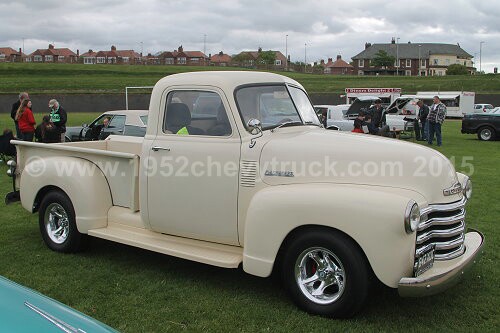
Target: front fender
[85, 185]
[372, 216]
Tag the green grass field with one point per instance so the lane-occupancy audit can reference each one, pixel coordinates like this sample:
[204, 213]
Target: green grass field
[68, 78]
[135, 290]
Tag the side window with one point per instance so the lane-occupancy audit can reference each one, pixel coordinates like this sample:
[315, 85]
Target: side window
[193, 112]
[117, 122]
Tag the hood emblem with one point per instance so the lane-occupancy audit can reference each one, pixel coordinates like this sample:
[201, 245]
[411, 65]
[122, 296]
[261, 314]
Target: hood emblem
[455, 189]
[272, 173]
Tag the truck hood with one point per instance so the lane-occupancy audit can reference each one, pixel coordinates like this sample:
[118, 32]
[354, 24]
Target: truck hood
[320, 156]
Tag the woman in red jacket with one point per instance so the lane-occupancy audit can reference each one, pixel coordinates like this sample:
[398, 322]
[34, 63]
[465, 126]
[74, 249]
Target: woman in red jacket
[26, 121]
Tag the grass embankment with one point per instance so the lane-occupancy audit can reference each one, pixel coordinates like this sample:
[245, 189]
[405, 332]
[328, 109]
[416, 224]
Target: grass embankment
[135, 290]
[77, 78]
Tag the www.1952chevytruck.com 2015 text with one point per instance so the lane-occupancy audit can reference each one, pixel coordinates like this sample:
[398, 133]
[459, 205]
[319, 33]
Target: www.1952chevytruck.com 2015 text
[236, 170]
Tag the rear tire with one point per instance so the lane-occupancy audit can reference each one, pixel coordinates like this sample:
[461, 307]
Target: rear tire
[56, 218]
[326, 274]
[486, 133]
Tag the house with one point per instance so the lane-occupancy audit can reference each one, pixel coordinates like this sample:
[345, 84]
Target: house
[89, 58]
[8, 54]
[250, 58]
[413, 59]
[114, 56]
[151, 59]
[337, 67]
[53, 55]
[220, 59]
[181, 57]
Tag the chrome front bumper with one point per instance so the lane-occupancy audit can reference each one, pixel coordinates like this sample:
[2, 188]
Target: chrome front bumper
[444, 274]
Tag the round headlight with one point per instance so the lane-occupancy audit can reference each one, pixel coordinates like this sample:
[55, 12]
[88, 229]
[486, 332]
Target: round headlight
[412, 217]
[468, 189]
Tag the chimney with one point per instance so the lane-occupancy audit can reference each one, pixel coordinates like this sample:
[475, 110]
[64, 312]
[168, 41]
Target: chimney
[51, 47]
[393, 40]
[180, 49]
[367, 45]
[339, 57]
[330, 60]
[221, 54]
[409, 42]
[20, 51]
[90, 51]
[322, 62]
[113, 48]
[77, 53]
[260, 49]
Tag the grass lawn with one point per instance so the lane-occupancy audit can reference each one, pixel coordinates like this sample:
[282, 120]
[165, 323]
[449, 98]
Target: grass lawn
[134, 290]
[78, 78]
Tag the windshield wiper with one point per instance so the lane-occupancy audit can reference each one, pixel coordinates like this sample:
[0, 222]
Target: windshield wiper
[287, 123]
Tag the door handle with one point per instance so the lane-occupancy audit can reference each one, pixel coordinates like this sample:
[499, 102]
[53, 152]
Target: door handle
[156, 148]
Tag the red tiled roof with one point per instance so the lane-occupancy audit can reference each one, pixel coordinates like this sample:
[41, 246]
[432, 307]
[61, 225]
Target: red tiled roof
[218, 58]
[56, 52]
[339, 63]
[194, 54]
[89, 54]
[8, 51]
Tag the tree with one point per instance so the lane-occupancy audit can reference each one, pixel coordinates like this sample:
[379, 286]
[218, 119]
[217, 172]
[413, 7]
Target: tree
[266, 58]
[457, 69]
[382, 59]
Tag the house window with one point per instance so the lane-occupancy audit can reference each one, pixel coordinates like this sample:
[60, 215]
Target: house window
[182, 60]
[2, 56]
[28, 59]
[60, 58]
[125, 59]
[422, 63]
[277, 62]
[101, 60]
[361, 62]
[48, 58]
[408, 62]
[447, 61]
[37, 58]
[89, 60]
[194, 59]
[436, 62]
[397, 63]
[407, 73]
[169, 61]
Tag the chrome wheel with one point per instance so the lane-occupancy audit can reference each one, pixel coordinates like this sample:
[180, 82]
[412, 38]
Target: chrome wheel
[320, 275]
[485, 134]
[56, 223]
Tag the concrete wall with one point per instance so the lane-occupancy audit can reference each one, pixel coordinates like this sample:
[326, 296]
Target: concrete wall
[106, 102]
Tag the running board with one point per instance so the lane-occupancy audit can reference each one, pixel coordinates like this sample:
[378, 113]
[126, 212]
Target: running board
[205, 252]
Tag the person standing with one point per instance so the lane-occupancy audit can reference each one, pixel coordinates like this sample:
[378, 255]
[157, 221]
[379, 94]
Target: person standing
[377, 113]
[421, 121]
[13, 111]
[25, 120]
[58, 117]
[435, 119]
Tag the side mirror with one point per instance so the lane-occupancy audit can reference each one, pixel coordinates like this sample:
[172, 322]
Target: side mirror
[255, 126]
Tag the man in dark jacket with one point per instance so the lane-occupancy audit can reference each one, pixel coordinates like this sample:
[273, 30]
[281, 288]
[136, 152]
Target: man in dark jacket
[59, 117]
[15, 106]
[376, 112]
[421, 121]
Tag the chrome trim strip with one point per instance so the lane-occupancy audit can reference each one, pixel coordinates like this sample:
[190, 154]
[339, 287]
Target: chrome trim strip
[444, 207]
[441, 245]
[441, 221]
[451, 255]
[57, 322]
[441, 233]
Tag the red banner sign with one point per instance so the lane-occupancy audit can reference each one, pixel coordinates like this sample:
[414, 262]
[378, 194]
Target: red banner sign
[372, 90]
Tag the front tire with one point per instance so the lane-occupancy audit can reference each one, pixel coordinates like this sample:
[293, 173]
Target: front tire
[326, 274]
[486, 133]
[56, 218]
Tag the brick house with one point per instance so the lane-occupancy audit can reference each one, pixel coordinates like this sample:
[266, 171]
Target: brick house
[249, 59]
[220, 59]
[53, 55]
[337, 67]
[114, 56]
[423, 59]
[89, 58]
[8, 54]
[181, 57]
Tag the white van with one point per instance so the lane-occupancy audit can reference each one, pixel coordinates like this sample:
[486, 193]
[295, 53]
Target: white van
[458, 103]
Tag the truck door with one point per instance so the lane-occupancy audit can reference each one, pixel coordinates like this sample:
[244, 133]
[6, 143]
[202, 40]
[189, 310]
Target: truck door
[193, 168]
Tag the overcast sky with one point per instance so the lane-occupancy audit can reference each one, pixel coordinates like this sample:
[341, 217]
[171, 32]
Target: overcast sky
[328, 27]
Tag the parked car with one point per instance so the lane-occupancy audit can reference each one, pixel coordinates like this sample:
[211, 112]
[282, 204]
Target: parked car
[121, 122]
[485, 125]
[482, 107]
[341, 117]
[25, 310]
[254, 186]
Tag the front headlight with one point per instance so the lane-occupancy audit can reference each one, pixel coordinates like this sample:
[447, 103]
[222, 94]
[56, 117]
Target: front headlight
[468, 189]
[412, 217]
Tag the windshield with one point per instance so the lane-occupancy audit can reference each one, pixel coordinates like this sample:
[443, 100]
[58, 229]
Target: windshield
[273, 106]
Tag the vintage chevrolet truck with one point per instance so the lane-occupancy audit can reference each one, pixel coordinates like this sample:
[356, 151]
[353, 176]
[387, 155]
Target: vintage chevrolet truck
[253, 180]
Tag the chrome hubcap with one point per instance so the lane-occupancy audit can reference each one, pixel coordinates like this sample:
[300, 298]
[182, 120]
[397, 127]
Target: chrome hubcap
[320, 275]
[56, 223]
[486, 134]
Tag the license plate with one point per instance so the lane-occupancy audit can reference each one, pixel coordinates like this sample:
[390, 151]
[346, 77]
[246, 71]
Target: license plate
[424, 262]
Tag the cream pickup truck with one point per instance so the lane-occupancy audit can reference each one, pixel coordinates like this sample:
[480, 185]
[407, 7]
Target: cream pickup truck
[235, 170]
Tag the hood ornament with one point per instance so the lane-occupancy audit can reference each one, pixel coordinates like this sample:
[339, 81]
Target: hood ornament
[455, 189]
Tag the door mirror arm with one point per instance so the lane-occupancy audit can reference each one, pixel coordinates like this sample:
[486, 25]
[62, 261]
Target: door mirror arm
[255, 127]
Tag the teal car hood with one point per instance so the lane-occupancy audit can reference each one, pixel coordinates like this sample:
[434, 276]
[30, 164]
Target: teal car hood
[25, 310]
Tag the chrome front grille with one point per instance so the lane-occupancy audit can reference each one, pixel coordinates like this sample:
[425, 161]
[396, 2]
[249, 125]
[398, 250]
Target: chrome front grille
[442, 226]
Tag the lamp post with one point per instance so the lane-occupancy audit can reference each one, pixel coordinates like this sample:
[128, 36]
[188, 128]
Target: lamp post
[480, 57]
[286, 53]
[419, 60]
[204, 49]
[22, 52]
[397, 56]
[305, 57]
